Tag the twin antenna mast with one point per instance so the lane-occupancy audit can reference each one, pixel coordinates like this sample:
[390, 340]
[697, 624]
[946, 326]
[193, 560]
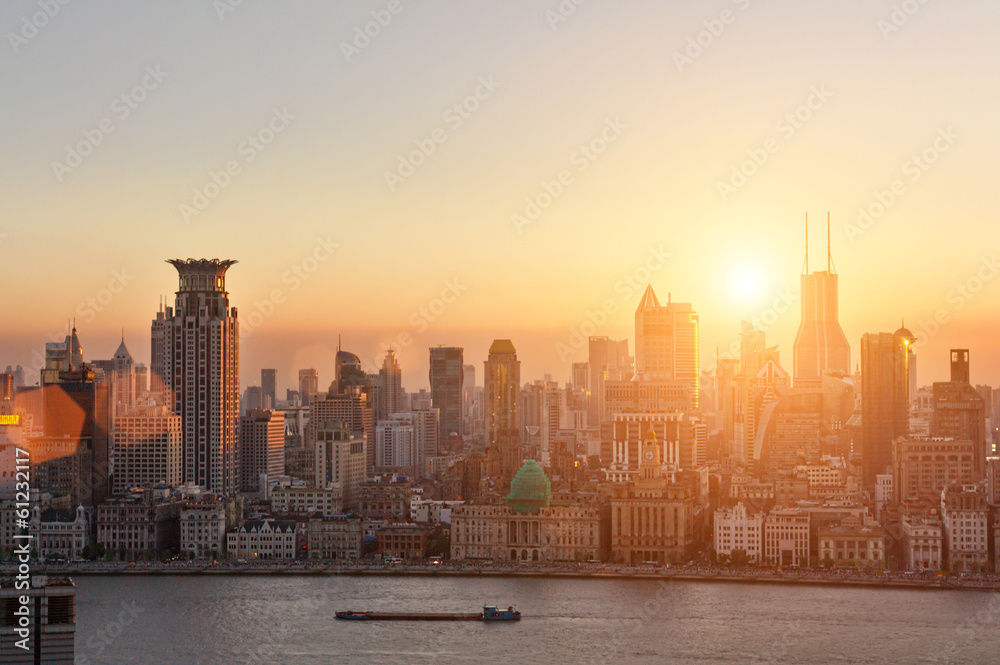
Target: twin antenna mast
[829, 255]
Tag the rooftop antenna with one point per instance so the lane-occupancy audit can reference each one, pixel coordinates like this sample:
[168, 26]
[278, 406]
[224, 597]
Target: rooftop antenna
[805, 269]
[829, 254]
[338, 343]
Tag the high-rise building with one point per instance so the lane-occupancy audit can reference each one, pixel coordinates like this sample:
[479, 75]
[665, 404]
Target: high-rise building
[884, 399]
[122, 380]
[395, 444]
[666, 343]
[49, 603]
[141, 379]
[308, 384]
[351, 410]
[72, 456]
[262, 447]
[960, 411]
[65, 356]
[158, 356]
[446, 376]
[6, 387]
[502, 376]
[147, 451]
[340, 459]
[608, 360]
[391, 380]
[201, 371]
[820, 344]
[472, 403]
[269, 388]
[253, 399]
[579, 376]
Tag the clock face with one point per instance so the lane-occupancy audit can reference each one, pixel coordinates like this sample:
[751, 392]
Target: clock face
[649, 455]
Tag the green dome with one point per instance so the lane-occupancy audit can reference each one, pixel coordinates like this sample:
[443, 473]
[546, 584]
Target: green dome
[530, 489]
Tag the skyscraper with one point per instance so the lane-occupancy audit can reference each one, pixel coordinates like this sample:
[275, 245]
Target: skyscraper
[158, 357]
[308, 384]
[607, 360]
[391, 380]
[884, 399]
[502, 376]
[666, 343]
[201, 371]
[73, 455]
[820, 344]
[446, 377]
[262, 447]
[960, 411]
[122, 381]
[269, 387]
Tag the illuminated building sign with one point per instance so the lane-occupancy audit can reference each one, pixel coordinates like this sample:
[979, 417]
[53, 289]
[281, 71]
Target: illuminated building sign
[8, 419]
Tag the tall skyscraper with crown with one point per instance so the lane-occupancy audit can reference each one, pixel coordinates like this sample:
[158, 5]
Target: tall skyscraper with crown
[201, 372]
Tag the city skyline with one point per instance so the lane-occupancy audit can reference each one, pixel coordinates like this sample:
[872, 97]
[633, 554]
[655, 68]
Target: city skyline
[633, 155]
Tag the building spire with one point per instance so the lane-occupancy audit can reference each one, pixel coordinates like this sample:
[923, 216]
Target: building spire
[805, 268]
[829, 254]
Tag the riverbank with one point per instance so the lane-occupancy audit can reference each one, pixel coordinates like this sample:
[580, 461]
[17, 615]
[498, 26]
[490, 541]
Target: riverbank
[796, 578]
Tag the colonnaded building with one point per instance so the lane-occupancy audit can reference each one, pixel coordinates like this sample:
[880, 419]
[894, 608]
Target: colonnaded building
[528, 526]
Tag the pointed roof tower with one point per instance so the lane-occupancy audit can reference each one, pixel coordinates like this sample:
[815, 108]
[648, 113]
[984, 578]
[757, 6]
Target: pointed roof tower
[648, 298]
[122, 351]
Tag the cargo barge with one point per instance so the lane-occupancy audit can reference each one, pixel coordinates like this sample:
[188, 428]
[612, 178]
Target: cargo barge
[489, 613]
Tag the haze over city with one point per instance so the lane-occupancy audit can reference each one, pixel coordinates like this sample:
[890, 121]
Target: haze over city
[634, 129]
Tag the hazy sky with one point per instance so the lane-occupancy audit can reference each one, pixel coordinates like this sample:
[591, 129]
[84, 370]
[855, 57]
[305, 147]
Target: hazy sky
[677, 143]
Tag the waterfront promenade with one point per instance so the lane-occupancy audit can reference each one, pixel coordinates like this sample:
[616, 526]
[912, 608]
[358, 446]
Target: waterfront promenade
[569, 570]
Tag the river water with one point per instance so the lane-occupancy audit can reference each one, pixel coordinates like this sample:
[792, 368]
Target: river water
[290, 620]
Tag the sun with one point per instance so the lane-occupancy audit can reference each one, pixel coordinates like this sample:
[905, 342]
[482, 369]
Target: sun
[747, 283]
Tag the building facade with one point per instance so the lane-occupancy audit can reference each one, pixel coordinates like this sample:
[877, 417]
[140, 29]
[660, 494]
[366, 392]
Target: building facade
[201, 364]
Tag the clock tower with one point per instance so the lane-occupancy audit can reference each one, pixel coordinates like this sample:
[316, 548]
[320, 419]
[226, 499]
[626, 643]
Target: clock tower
[650, 458]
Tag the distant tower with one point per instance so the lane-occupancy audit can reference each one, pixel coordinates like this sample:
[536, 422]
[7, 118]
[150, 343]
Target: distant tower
[502, 377]
[446, 376]
[308, 384]
[820, 344]
[884, 399]
[666, 343]
[960, 411]
[960, 365]
[269, 387]
[123, 384]
[201, 371]
[158, 355]
[392, 383]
